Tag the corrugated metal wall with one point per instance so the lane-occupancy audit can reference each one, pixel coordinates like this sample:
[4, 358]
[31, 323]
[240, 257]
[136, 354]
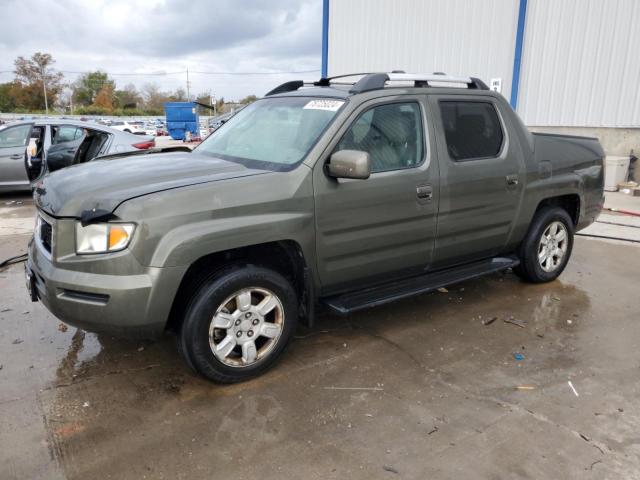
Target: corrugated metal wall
[459, 37]
[581, 63]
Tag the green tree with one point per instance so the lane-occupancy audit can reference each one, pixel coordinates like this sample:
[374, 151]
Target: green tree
[178, 96]
[203, 98]
[104, 98]
[88, 86]
[31, 74]
[248, 99]
[7, 96]
[220, 106]
[128, 98]
[154, 98]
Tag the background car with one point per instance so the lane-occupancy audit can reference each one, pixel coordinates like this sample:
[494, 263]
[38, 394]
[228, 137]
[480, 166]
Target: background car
[129, 127]
[217, 122]
[30, 149]
[150, 129]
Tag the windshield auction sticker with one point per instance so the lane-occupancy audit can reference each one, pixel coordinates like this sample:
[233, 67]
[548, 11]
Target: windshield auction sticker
[331, 105]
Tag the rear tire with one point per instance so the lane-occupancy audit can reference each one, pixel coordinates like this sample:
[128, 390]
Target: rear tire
[238, 323]
[546, 249]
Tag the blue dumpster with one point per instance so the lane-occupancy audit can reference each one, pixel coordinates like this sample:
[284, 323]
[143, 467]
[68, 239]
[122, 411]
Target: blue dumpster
[182, 117]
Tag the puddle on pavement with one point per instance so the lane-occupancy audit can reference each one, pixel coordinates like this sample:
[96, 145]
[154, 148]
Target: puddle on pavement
[107, 389]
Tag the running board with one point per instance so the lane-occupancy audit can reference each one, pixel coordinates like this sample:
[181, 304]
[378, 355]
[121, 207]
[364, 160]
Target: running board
[346, 303]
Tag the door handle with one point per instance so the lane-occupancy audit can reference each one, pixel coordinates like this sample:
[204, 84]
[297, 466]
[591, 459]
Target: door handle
[512, 180]
[16, 156]
[424, 192]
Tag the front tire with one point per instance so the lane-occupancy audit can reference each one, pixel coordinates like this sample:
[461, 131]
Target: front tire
[238, 323]
[546, 249]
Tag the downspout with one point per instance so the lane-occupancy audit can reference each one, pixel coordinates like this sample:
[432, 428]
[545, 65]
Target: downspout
[517, 57]
[325, 37]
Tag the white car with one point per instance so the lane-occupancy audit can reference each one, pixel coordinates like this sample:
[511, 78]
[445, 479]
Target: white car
[150, 129]
[129, 127]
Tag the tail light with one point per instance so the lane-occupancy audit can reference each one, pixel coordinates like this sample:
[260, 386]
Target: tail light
[145, 145]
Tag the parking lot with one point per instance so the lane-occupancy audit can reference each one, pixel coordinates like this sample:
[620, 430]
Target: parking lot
[429, 386]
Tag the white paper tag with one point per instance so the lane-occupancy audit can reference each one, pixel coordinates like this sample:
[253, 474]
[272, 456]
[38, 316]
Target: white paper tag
[331, 105]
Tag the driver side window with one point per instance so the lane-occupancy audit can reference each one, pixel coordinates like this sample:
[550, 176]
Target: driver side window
[392, 134]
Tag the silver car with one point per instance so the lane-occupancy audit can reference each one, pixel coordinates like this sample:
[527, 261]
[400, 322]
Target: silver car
[29, 149]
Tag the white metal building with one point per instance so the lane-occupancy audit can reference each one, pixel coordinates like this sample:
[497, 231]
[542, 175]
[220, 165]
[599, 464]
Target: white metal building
[563, 64]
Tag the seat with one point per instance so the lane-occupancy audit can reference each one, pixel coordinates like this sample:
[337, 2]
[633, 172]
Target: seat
[388, 140]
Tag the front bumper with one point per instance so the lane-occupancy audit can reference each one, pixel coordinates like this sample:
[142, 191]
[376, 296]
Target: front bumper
[134, 305]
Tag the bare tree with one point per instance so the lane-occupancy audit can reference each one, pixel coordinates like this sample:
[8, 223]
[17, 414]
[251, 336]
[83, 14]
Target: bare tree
[40, 82]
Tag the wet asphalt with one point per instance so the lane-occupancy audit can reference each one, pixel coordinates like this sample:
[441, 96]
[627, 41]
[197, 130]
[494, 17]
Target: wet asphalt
[436, 386]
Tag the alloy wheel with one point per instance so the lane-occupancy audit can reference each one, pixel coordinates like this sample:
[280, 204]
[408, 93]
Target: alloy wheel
[552, 246]
[246, 327]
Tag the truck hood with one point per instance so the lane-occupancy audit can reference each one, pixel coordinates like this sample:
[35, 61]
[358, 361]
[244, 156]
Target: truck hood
[102, 185]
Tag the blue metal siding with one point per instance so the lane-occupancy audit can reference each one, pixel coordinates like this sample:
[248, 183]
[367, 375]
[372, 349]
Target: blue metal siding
[517, 56]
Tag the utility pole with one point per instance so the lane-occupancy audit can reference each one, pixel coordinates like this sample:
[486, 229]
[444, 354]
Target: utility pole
[188, 95]
[44, 87]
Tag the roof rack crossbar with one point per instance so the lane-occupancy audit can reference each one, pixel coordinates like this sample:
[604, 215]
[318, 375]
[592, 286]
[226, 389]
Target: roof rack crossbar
[286, 87]
[373, 81]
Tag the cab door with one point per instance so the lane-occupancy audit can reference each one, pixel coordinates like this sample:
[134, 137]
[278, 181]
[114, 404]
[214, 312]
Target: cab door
[14, 141]
[65, 141]
[370, 231]
[482, 171]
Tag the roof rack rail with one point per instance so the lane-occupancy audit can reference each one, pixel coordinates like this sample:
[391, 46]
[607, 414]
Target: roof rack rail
[377, 81]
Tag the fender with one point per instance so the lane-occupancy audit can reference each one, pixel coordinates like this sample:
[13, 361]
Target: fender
[185, 244]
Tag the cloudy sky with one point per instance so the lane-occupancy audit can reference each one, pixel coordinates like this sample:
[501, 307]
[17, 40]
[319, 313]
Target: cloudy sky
[138, 37]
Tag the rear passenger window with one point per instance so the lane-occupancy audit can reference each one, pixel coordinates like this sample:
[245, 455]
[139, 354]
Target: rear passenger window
[63, 134]
[391, 134]
[471, 129]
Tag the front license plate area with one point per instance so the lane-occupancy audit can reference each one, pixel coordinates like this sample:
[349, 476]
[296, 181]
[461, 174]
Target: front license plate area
[30, 281]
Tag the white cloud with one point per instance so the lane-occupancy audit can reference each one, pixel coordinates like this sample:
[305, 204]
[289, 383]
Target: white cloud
[142, 36]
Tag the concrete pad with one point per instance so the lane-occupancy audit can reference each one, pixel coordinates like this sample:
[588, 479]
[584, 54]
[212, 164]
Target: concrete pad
[421, 388]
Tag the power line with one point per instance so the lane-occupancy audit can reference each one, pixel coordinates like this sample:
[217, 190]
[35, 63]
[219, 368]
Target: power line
[255, 73]
[180, 72]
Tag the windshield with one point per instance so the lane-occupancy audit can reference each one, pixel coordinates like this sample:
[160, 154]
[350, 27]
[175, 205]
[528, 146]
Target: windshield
[274, 133]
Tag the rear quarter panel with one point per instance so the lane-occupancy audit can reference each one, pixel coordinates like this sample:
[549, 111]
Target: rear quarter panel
[565, 165]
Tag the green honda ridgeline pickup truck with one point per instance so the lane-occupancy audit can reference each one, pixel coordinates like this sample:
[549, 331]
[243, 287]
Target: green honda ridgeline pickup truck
[335, 195]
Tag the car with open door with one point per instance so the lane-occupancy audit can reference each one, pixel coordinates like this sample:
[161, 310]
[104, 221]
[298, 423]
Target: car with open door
[14, 143]
[30, 149]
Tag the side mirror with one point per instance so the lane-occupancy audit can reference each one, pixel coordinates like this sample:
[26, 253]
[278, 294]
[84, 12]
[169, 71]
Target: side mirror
[350, 164]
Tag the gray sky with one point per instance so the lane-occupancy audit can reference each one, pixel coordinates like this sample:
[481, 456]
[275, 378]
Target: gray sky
[146, 36]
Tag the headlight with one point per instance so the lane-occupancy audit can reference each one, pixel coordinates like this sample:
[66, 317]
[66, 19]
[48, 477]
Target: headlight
[103, 237]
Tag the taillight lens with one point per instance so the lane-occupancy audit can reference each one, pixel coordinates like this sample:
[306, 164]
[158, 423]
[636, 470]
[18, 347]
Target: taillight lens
[145, 145]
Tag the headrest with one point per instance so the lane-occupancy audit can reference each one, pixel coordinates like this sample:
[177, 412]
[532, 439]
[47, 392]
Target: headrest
[392, 123]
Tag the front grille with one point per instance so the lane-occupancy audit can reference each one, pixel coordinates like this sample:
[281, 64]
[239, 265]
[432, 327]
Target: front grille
[46, 233]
